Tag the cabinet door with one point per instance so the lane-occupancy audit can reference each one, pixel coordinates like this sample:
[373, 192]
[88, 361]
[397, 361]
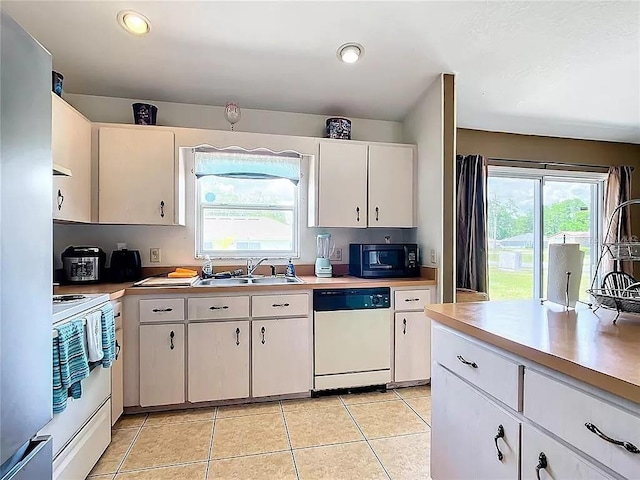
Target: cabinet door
[71, 148]
[391, 186]
[136, 176]
[342, 185]
[161, 364]
[558, 462]
[466, 437]
[412, 347]
[281, 361]
[117, 380]
[218, 361]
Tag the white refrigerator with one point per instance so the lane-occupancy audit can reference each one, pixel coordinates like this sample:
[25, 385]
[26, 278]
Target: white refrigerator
[25, 254]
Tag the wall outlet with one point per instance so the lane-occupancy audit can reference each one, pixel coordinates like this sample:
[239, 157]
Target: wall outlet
[154, 255]
[336, 255]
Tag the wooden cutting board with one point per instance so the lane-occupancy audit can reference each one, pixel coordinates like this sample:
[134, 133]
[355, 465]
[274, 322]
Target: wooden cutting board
[167, 282]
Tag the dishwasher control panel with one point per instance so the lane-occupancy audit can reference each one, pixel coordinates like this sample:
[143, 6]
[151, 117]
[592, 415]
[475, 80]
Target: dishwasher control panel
[351, 299]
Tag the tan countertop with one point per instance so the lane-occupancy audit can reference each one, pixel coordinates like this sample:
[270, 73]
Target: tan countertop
[581, 344]
[117, 290]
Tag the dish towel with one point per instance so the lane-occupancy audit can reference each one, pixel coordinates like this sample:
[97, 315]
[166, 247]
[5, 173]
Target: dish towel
[108, 336]
[94, 336]
[70, 363]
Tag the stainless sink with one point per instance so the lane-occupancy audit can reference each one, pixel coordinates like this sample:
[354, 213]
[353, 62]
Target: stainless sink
[226, 282]
[275, 280]
[222, 282]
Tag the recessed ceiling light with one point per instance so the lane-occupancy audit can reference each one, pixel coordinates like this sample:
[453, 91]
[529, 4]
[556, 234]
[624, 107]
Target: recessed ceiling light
[350, 52]
[134, 22]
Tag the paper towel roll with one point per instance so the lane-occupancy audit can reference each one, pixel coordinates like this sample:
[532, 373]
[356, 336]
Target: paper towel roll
[563, 258]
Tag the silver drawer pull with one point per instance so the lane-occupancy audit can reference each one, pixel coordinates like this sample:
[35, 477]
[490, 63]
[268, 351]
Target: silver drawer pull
[411, 299]
[466, 362]
[224, 307]
[629, 447]
[275, 305]
[162, 310]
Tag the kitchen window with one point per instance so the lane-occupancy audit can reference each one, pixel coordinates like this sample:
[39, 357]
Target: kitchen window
[247, 203]
[529, 209]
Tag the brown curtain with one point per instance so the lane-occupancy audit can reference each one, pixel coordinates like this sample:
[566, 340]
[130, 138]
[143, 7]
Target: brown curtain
[618, 191]
[472, 245]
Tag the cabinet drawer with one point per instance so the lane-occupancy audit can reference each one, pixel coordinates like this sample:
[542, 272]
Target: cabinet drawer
[496, 375]
[162, 310]
[561, 463]
[412, 299]
[564, 411]
[280, 305]
[212, 308]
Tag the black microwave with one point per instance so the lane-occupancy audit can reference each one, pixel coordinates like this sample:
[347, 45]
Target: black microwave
[387, 260]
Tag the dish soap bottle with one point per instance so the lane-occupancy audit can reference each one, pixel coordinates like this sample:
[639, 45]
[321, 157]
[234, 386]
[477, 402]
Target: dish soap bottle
[207, 267]
[291, 270]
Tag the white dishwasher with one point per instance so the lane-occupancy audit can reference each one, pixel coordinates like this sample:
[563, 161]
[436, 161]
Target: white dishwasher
[352, 337]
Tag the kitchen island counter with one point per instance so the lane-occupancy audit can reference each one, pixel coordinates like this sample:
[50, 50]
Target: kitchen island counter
[578, 343]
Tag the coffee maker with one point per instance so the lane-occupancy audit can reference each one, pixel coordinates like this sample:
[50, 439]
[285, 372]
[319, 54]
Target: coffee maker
[325, 249]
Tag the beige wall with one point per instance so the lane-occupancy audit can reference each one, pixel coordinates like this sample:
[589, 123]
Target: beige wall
[547, 149]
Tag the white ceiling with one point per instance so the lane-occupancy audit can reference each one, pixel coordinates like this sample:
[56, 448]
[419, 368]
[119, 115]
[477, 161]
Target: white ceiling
[549, 68]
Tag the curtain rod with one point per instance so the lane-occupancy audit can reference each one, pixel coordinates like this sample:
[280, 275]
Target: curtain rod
[552, 164]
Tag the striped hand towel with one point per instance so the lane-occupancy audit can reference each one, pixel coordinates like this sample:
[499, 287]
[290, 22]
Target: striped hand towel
[108, 336]
[70, 363]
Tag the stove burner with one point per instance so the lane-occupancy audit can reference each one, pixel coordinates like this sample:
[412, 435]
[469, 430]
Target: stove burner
[67, 298]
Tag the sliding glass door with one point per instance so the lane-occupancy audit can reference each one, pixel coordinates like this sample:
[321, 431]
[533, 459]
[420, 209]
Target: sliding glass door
[529, 210]
[512, 237]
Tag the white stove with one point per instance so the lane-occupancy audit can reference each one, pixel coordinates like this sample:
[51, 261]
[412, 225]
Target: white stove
[65, 306]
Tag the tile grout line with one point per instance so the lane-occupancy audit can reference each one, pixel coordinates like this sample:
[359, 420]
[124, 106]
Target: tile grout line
[158, 467]
[213, 431]
[286, 427]
[414, 410]
[366, 439]
[126, 454]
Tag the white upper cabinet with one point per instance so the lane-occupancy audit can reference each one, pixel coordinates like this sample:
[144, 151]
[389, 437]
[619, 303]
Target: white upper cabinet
[137, 176]
[354, 184]
[71, 148]
[342, 182]
[391, 185]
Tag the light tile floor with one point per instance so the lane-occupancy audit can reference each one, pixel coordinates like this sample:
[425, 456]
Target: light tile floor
[362, 436]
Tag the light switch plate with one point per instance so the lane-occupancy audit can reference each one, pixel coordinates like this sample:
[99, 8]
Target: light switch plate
[154, 255]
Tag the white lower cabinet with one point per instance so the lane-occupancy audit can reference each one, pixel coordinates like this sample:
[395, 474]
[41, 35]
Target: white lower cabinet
[218, 361]
[471, 436]
[543, 458]
[281, 362]
[162, 364]
[412, 347]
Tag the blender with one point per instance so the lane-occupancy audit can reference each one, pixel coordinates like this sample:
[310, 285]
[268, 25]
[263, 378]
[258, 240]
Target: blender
[325, 248]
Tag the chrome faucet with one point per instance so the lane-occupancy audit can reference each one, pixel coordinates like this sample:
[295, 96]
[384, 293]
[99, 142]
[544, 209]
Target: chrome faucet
[251, 267]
